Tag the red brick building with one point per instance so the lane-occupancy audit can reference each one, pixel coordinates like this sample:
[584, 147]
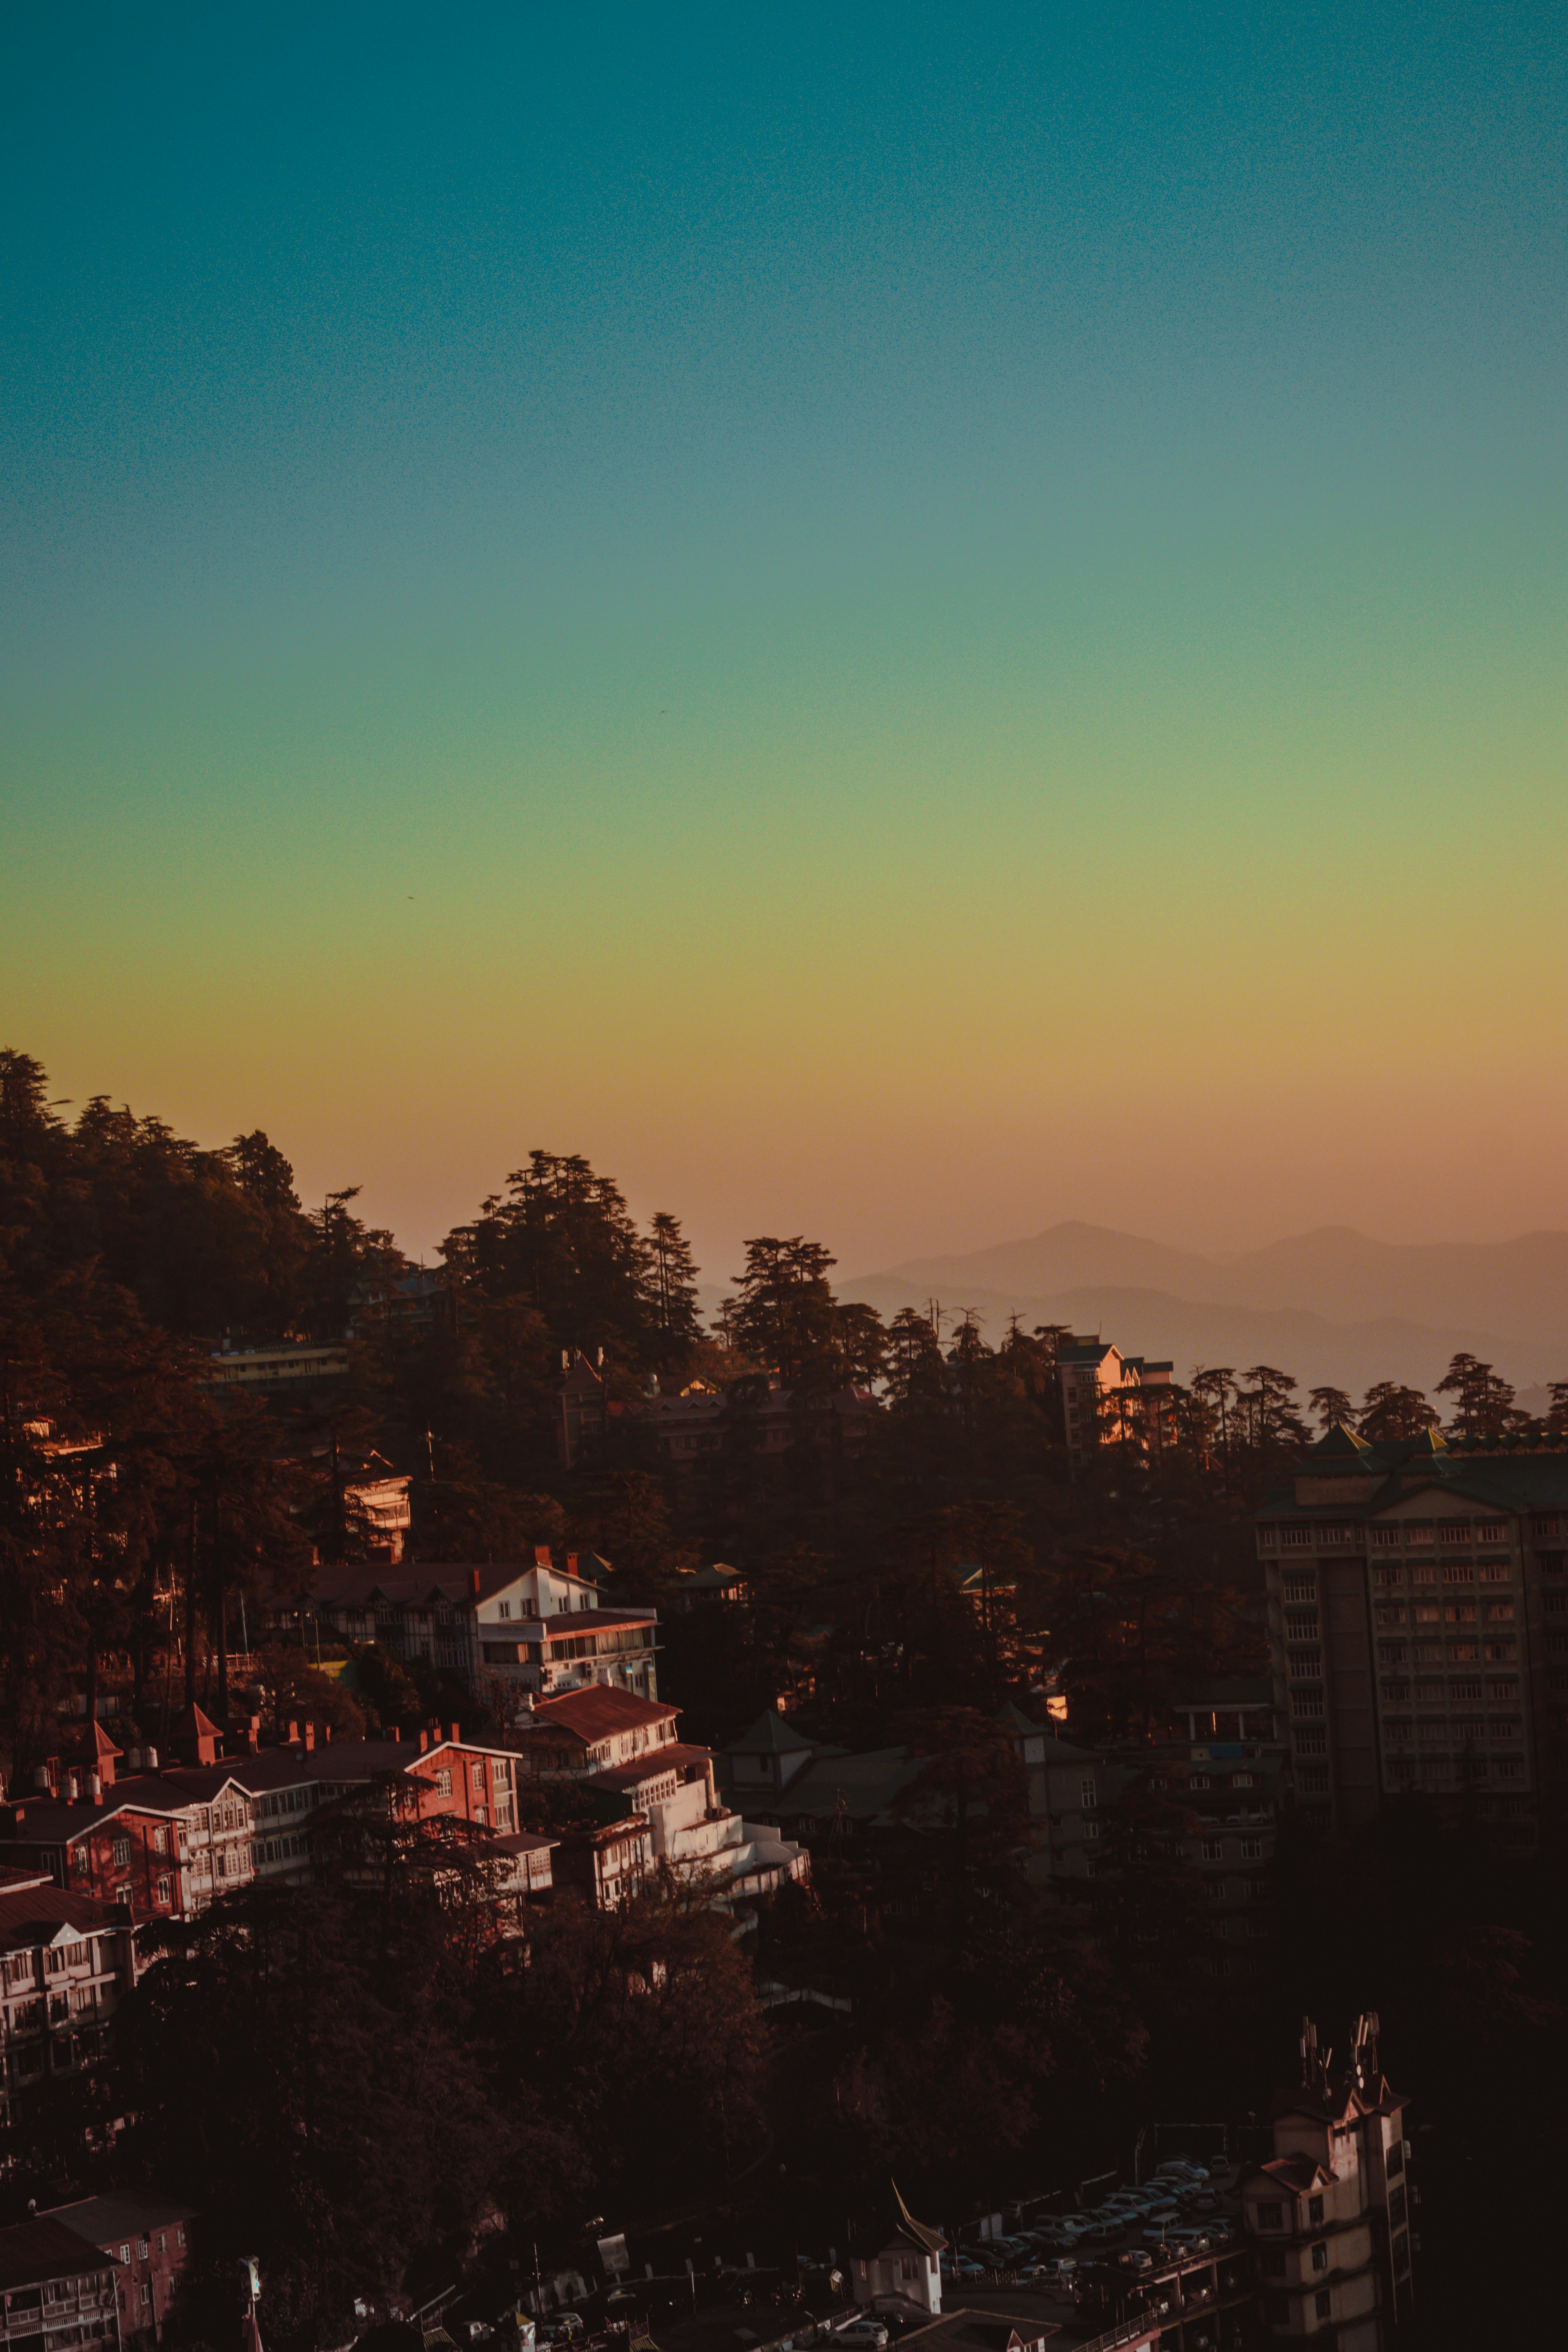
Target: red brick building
[148, 2238]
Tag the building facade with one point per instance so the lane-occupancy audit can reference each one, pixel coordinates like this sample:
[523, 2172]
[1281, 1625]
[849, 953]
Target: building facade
[657, 1797]
[1111, 1399]
[1327, 2215]
[168, 1841]
[148, 2239]
[65, 1964]
[1418, 1619]
[504, 1632]
[55, 2289]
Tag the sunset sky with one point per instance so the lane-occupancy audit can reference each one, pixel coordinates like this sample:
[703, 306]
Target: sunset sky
[896, 622]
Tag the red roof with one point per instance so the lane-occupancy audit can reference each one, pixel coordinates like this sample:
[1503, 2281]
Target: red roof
[1299, 2173]
[600, 1712]
[36, 1915]
[31, 2252]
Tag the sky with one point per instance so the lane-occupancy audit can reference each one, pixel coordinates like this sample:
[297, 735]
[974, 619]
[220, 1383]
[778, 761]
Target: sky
[896, 622]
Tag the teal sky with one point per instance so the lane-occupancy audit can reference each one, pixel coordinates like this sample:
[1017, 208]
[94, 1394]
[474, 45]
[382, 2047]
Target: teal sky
[758, 591]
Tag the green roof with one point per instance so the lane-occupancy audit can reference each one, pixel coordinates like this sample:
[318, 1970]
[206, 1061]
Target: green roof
[769, 1735]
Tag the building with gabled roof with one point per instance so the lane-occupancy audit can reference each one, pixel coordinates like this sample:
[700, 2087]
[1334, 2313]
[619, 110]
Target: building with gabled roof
[1418, 1619]
[1328, 2213]
[148, 2237]
[897, 2261]
[504, 1632]
[771, 1753]
[656, 1792]
[65, 1964]
[1111, 1399]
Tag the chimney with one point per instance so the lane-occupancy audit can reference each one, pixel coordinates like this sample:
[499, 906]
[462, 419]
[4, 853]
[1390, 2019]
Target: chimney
[542, 1556]
[457, 1734]
[97, 1789]
[309, 1737]
[326, 1734]
[150, 1760]
[42, 1782]
[571, 1563]
[293, 1740]
[396, 1732]
[133, 1759]
[73, 1787]
[424, 1741]
[253, 1736]
[474, 1582]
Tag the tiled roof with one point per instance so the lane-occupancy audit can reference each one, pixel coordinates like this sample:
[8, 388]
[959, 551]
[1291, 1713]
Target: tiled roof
[44, 2249]
[36, 1915]
[123, 2213]
[362, 1583]
[599, 1712]
[1297, 2173]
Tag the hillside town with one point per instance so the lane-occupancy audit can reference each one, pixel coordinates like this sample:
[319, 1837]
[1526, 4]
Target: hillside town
[767, 1832]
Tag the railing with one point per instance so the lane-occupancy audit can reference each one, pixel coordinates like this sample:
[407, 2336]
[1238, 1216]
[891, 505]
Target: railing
[1128, 2332]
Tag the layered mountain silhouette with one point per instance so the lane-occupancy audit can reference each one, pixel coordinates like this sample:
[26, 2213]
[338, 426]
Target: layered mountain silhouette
[1332, 1306]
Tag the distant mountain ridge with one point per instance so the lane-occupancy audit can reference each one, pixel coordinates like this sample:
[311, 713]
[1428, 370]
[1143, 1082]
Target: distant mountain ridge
[1332, 1306]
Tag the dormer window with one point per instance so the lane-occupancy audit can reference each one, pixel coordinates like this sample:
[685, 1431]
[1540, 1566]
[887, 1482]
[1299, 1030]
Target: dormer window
[503, 1607]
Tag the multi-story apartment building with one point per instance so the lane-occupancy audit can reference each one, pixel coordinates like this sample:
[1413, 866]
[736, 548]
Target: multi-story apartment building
[1230, 1788]
[503, 1631]
[1111, 1399]
[148, 2237]
[65, 1964]
[1327, 2215]
[55, 2289]
[1418, 1616]
[657, 1792]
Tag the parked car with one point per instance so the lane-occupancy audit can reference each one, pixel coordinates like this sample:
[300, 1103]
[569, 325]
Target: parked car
[1135, 2258]
[1105, 2233]
[1190, 2241]
[1199, 2201]
[962, 2267]
[1006, 2252]
[1218, 2231]
[1158, 2233]
[869, 2335]
[1052, 2272]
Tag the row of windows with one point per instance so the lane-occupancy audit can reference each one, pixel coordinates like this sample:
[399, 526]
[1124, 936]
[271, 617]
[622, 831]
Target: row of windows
[1306, 1534]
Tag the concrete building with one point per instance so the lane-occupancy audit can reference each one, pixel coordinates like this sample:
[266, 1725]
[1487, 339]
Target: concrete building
[897, 2263]
[1418, 1619]
[1111, 1399]
[65, 1964]
[657, 1796]
[1232, 1789]
[55, 2289]
[1328, 2214]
